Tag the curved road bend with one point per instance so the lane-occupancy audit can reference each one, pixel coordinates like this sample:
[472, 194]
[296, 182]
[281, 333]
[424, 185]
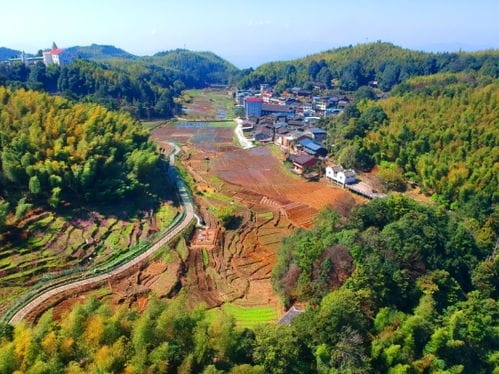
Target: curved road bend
[188, 217]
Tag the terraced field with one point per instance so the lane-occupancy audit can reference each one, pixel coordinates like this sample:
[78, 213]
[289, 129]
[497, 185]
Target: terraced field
[53, 244]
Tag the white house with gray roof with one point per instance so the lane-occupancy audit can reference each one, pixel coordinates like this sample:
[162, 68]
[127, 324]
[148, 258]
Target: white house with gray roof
[340, 175]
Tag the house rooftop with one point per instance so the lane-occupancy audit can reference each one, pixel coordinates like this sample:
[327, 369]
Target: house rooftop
[318, 130]
[310, 144]
[349, 173]
[303, 160]
[277, 108]
[254, 100]
[289, 316]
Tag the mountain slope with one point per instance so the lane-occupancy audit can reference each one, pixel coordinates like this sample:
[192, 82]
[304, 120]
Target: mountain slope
[6, 53]
[203, 67]
[98, 52]
[353, 66]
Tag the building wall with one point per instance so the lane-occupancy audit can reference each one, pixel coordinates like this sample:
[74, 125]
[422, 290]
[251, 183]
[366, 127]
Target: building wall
[47, 58]
[339, 177]
[253, 109]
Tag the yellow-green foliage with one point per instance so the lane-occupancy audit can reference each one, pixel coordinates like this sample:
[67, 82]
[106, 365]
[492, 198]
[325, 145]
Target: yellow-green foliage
[182, 249]
[444, 131]
[53, 149]
[165, 215]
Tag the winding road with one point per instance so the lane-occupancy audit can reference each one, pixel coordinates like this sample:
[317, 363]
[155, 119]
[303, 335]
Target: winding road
[188, 216]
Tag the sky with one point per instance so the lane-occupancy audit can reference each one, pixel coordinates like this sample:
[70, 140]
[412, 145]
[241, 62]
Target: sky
[250, 32]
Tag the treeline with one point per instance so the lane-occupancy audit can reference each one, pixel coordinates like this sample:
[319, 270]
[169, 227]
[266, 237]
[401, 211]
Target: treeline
[52, 149]
[421, 297]
[148, 94]
[440, 132]
[164, 338]
[352, 67]
[143, 86]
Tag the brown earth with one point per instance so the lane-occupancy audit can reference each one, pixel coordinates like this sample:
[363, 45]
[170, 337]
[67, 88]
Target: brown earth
[268, 201]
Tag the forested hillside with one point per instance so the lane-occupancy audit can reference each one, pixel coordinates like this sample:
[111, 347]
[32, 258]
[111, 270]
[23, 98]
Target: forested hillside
[441, 132]
[352, 67]
[6, 53]
[195, 69]
[422, 297]
[98, 52]
[53, 150]
[395, 287]
[142, 86]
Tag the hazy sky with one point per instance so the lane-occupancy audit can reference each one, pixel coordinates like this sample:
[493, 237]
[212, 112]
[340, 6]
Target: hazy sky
[249, 32]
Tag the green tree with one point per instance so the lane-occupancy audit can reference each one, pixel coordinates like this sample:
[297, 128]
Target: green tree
[278, 350]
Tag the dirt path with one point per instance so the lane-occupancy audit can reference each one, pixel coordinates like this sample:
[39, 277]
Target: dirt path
[86, 283]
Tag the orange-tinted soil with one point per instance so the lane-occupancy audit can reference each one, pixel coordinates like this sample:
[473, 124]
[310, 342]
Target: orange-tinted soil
[268, 202]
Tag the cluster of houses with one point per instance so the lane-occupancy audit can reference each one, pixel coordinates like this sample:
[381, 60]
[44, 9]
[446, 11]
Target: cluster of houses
[297, 102]
[286, 122]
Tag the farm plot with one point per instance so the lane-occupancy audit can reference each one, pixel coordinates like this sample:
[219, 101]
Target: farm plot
[52, 244]
[207, 104]
[245, 317]
[259, 172]
[214, 137]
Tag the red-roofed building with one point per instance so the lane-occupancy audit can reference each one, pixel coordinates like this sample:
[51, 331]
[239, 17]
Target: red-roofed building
[302, 162]
[56, 56]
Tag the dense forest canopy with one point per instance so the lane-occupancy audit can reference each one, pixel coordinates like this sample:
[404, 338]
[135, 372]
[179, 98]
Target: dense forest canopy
[440, 131]
[146, 94]
[352, 67]
[422, 295]
[145, 86]
[52, 149]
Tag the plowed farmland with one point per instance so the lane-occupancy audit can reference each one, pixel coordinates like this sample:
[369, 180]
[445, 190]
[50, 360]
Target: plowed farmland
[266, 202]
[259, 173]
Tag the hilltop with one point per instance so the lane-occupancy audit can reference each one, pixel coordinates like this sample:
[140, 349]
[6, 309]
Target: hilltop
[6, 53]
[348, 68]
[99, 52]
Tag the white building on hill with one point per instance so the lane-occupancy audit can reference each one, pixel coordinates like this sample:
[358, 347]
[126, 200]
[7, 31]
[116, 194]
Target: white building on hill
[340, 175]
[56, 56]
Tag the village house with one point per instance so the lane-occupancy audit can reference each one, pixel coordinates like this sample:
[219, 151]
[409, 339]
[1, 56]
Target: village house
[311, 147]
[248, 124]
[340, 175]
[289, 140]
[264, 134]
[278, 110]
[319, 134]
[302, 162]
[296, 123]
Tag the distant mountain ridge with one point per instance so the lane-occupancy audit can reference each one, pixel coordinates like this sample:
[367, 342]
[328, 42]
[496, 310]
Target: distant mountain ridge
[6, 53]
[98, 52]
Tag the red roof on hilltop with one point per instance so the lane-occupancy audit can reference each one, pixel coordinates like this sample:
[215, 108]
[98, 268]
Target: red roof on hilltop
[56, 51]
[254, 100]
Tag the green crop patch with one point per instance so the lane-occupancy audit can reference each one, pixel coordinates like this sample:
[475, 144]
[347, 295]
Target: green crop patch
[246, 317]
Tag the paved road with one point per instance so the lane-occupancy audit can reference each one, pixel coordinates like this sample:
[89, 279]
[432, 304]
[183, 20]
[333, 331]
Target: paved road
[245, 143]
[181, 225]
